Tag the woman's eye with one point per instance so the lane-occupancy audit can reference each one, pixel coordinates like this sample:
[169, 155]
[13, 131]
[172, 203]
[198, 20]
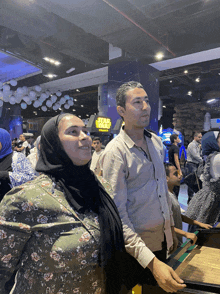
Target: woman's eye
[73, 132]
[87, 133]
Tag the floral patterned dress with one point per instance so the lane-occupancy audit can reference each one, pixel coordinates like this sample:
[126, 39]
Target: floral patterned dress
[55, 248]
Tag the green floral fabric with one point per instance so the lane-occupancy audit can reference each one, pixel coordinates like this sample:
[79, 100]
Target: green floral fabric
[56, 249]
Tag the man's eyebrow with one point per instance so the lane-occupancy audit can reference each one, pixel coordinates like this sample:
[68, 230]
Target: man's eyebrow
[146, 97]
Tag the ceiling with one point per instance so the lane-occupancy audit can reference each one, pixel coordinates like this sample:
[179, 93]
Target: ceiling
[78, 34]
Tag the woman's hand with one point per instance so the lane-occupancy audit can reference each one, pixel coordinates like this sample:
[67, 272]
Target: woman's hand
[165, 276]
[204, 226]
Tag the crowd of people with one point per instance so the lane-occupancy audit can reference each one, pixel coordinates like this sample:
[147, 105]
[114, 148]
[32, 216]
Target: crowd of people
[76, 222]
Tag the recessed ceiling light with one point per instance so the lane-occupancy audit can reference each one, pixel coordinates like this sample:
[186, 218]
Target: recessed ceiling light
[87, 115]
[164, 106]
[189, 93]
[74, 109]
[186, 71]
[197, 80]
[50, 76]
[46, 58]
[70, 70]
[75, 99]
[77, 90]
[82, 106]
[171, 81]
[52, 61]
[159, 56]
[211, 100]
[219, 73]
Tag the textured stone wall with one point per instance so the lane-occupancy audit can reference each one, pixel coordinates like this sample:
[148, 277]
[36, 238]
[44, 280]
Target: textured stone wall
[189, 117]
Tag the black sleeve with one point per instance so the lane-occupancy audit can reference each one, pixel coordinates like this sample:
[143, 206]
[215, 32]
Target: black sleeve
[175, 149]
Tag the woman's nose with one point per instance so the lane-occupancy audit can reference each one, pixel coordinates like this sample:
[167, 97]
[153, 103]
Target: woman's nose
[83, 135]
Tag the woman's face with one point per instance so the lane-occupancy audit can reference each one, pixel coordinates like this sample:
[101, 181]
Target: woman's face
[76, 143]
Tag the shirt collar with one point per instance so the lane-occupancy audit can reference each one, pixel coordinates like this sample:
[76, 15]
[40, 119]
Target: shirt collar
[129, 142]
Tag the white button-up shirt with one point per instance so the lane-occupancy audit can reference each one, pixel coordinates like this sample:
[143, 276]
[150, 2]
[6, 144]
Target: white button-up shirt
[140, 193]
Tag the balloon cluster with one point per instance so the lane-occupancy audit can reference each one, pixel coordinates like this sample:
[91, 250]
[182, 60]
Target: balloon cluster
[25, 97]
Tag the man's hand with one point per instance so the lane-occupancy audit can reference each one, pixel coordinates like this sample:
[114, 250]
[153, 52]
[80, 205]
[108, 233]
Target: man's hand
[175, 241]
[204, 226]
[192, 236]
[165, 276]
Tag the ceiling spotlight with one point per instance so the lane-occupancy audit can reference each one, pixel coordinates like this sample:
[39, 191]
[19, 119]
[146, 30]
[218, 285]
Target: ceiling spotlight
[159, 56]
[57, 63]
[52, 61]
[189, 93]
[164, 106]
[171, 81]
[46, 59]
[74, 109]
[186, 71]
[75, 99]
[82, 106]
[77, 90]
[219, 73]
[87, 115]
[211, 100]
[50, 76]
[79, 115]
[197, 80]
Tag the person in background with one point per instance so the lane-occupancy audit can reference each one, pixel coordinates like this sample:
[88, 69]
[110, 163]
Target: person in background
[15, 169]
[194, 158]
[174, 158]
[97, 145]
[173, 180]
[62, 230]
[34, 154]
[132, 163]
[24, 146]
[205, 204]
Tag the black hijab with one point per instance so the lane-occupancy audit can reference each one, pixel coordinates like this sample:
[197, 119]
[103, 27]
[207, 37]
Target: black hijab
[84, 192]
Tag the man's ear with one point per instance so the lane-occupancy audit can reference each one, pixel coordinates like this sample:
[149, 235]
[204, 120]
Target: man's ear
[120, 110]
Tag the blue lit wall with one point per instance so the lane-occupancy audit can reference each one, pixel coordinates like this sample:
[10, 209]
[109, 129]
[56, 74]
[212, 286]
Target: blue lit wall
[122, 72]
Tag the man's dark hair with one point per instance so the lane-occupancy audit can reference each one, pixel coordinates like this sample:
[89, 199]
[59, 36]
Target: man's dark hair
[123, 89]
[196, 134]
[167, 168]
[97, 139]
[173, 137]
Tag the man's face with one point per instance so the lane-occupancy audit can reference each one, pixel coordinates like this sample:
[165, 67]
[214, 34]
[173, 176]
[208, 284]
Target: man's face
[177, 140]
[22, 138]
[96, 144]
[198, 138]
[174, 177]
[137, 109]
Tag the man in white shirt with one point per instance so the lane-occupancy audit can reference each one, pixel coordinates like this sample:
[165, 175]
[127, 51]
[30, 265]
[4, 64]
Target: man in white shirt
[133, 165]
[25, 145]
[193, 158]
[97, 145]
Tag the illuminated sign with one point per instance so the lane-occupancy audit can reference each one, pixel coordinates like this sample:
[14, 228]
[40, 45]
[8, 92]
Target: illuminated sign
[103, 124]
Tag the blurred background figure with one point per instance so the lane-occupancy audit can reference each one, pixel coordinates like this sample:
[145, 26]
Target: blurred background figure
[205, 204]
[97, 145]
[15, 169]
[34, 154]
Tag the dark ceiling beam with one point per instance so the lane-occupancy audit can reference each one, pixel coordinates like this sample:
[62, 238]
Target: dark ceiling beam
[139, 26]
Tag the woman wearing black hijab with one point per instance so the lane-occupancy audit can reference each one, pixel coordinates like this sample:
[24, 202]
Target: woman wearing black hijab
[62, 230]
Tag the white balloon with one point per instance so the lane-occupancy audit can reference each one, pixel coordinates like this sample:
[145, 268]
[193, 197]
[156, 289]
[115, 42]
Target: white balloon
[1, 103]
[62, 101]
[58, 93]
[70, 102]
[37, 88]
[43, 96]
[53, 98]
[54, 107]
[17, 99]
[23, 105]
[20, 91]
[6, 88]
[1, 85]
[29, 102]
[37, 103]
[26, 99]
[25, 90]
[44, 108]
[5, 98]
[49, 103]
[47, 93]
[32, 94]
[12, 100]
[1, 94]
[13, 83]
[58, 105]
[67, 97]
[66, 106]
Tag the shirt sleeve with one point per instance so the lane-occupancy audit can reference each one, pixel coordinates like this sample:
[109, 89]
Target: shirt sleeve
[113, 166]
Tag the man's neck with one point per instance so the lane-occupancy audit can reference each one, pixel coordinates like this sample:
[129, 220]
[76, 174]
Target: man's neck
[136, 134]
[170, 188]
[175, 143]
